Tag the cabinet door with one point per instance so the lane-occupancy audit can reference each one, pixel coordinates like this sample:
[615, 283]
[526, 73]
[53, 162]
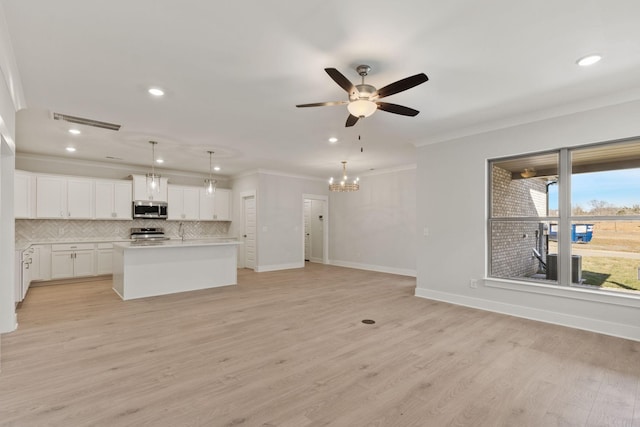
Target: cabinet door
[191, 203]
[122, 199]
[104, 200]
[61, 264]
[140, 189]
[222, 205]
[24, 195]
[104, 258]
[51, 197]
[44, 262]
[80, 198]
[206, 206]
[176, 203]
[84, 263]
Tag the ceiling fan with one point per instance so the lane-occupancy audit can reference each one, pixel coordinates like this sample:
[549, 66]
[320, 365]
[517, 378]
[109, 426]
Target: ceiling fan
[363, 98]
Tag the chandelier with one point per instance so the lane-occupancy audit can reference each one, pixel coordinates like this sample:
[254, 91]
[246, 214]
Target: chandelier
[210, 184]
[153, 179]
[343, 185]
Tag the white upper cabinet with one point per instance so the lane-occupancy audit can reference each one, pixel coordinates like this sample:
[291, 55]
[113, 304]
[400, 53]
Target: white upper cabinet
[140, 189]
[80, 198]
[206, 206]
[51, 197]
[113, 199]
[64, 197]
[184, 203]
[216, 208]
[24, 195]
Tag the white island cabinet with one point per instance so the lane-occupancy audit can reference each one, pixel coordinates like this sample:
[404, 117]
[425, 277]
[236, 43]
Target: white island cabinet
[160, 268]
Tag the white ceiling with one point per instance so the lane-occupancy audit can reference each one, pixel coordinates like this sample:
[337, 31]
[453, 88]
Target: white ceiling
[234, 71]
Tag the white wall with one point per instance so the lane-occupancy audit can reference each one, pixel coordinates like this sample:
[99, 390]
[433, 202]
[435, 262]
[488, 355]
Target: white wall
[375, 227]
[452, 198]
[280, 213]
[11, 99]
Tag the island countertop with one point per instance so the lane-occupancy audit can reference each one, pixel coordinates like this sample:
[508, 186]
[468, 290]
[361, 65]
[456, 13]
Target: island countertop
[145, 269]
[174, 243]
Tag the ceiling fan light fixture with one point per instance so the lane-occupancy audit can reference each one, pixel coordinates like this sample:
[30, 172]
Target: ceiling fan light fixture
[362, 108]
[528, 173]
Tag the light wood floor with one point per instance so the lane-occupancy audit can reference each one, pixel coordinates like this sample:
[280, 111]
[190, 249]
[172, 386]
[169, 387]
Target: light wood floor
[289, 349]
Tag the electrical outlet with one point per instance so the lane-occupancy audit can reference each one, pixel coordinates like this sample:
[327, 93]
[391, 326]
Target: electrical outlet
[473, 283]
[425, 232]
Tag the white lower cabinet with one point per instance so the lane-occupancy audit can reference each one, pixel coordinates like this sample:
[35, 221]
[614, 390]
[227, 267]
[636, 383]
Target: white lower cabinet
[41, 262]
[104, 258]
[72, 260]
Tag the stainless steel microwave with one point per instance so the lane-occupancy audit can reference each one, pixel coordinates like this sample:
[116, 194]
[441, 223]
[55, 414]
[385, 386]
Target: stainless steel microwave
[151, 210]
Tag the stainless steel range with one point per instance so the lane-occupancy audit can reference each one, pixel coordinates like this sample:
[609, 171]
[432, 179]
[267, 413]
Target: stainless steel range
[148, 234]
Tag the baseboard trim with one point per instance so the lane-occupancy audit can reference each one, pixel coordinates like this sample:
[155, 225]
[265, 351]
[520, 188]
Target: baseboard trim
[70, 280]
[593, 325]
[276, 267]
[371, 267]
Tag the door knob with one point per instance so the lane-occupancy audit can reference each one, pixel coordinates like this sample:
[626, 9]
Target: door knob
[244, 235]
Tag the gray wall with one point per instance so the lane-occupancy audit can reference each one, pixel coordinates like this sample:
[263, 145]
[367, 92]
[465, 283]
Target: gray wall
[455, 251]
[375, 227]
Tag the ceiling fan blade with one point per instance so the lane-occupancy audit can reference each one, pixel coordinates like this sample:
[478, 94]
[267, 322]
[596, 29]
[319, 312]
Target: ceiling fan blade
[351, 120]
[323, 104]
[401, 85]
[339, 78]
[397, 109]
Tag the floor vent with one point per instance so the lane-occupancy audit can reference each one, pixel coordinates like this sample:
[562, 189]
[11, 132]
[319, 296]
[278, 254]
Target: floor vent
[87, 122]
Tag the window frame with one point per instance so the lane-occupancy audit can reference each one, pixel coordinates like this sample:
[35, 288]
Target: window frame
[564, 219]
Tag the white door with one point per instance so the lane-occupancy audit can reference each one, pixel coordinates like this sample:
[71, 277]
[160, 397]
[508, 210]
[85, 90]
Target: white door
[315, 224]
[307, 229]
[316, 227]
[249, 234]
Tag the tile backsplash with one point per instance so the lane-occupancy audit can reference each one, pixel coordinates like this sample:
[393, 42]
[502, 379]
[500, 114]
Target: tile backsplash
[38, 230]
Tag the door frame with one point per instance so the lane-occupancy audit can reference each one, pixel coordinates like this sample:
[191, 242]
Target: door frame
[242, 255]
[325, 228]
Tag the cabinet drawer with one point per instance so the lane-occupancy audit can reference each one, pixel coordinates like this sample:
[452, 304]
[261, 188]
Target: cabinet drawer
[73, 247]
[105, 245]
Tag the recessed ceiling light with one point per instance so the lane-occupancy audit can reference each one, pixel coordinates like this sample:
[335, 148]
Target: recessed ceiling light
[159, 161]
[585, 61]
[216, 168]
[333, 140]
[70, 149]
[75, 131]
[156, 91]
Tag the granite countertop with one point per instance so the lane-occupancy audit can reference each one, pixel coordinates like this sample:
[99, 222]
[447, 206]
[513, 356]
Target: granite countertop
[175, 243]
[21, 245]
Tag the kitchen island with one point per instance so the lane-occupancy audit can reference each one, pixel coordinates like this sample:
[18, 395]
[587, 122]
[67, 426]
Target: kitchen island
[144, 269]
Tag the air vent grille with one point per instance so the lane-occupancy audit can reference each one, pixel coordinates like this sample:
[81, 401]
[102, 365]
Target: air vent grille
[87, 122]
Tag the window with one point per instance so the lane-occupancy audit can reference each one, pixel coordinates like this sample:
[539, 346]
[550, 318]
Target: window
[569, 217]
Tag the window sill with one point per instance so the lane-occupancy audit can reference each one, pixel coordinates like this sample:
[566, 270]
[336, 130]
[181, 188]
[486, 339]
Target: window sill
[573, 292]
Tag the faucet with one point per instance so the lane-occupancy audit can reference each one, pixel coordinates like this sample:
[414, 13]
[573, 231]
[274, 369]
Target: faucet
[181, 231]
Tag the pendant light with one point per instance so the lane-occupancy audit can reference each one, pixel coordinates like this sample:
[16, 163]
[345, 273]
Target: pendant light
[153, 179]
[210, 184]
